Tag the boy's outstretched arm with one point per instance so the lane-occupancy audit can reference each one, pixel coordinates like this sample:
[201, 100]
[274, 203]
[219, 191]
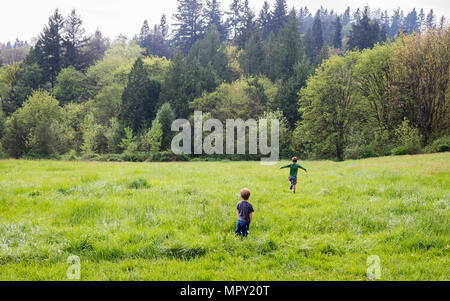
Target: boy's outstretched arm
[302, 167]
[287, 166]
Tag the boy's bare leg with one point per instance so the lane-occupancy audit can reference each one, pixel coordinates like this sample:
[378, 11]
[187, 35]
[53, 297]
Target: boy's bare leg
[293, 188]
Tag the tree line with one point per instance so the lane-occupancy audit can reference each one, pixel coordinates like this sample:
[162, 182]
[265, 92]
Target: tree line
[344, 86]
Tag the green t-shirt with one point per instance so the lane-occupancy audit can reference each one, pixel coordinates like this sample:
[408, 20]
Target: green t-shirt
[294, 169]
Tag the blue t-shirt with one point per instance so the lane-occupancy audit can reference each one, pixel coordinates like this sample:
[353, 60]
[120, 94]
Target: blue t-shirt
[244, 208]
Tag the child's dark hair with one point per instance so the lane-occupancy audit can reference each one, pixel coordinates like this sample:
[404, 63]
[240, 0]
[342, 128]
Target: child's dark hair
[245, 194]
[294, 159]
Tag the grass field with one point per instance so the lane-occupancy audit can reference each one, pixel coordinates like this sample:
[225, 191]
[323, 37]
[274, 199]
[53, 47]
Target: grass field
[175, 221]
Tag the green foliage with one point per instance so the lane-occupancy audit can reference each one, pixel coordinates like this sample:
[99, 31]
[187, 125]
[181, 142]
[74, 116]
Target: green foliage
[285, 134]
[94, 138]
[138, 184]
[70, 85]
[71, 133]
[439, 145]
[330, 105]
[2, 121]
[407, 135]
[49, 48]
[139, 99]
[165, 117]
[17, 83]
[421, 71]
[156, 134]
[364, 33]
[288, 50]
[35, 127]
[252, 56]
[359, 152]
[210, 52]
[353, 107]
[184, 82]
[70, 156]
[129, 143]
[113, 135]
[374, 69]
[157, 67]
[244, 98]
[405, 150]
[115, 65]
[14, 138]
[107, 103]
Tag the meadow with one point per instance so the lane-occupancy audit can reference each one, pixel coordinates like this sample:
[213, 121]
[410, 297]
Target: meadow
[175, 221]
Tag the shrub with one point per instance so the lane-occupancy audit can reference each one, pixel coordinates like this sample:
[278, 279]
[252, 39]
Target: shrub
[168, 156]
[90, 156]
[439, 145]
[3, 155]
[360, 152]
[70, 156]
[406, 150]
[368, 152]
[408, 135]
[134, 157]
[113, 158]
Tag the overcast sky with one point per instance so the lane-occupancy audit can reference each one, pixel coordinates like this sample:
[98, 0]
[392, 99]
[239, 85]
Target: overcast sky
[25, 18]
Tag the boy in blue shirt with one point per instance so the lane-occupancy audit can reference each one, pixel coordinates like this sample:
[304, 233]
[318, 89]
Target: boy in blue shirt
[245, 214]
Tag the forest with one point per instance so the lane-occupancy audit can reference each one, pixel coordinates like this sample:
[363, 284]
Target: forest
[357, 84]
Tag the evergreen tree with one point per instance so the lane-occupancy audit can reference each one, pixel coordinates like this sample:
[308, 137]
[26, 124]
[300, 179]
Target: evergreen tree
[317, 32]
[289, 49]
[421, 20]
[412, 22]
[235, 18]
[143, 35]
[356, 15]
[337, 39]
[252, 56]
[365, 33]
[309, 45]
[209, 52]
[185, 81]
[396, 23]
[346, 16]
[166, 116]
[153, 41]
[139, 98]
[74, 41]
[156, 135]
[163, 26]
[213, 16]
[248, 28]
[265, 20]
[291, 68]
[50, 47]
[431, 20]
[279, 15]
[189, 26]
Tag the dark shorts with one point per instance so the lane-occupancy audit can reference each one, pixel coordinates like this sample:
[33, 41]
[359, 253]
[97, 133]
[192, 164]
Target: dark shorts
[241, 228]
[293, 180]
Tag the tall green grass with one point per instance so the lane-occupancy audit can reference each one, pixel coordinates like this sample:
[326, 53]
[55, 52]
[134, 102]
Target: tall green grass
[175, 221]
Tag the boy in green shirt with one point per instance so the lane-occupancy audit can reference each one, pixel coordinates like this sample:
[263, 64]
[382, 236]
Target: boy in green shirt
[293, 172]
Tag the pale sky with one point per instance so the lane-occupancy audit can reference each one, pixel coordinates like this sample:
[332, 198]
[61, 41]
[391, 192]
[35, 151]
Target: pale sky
[25, 18]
